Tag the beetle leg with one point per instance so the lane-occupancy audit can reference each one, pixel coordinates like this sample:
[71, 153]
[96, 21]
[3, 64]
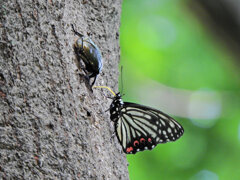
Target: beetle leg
[93, 75]
[81, 49]
[86, 72]
[94, 81]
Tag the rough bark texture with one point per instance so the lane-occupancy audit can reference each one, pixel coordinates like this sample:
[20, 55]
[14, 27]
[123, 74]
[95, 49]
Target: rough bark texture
[51, 125]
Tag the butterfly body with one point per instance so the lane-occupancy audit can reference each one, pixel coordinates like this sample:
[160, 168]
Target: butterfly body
[139, 127]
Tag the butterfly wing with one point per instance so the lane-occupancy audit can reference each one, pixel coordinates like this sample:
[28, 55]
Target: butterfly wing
[140, 127]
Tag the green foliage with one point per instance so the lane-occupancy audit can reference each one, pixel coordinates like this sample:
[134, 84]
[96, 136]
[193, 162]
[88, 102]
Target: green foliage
[165, 42]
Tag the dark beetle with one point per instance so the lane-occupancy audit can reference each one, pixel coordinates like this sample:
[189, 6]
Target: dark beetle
[89, 53]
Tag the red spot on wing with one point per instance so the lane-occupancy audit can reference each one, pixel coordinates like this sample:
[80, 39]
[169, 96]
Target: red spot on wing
[142, 140]
[130, 149]
[149, 140]
[136, 143]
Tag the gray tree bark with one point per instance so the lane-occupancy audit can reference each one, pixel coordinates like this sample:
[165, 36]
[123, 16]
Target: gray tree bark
[51, 125]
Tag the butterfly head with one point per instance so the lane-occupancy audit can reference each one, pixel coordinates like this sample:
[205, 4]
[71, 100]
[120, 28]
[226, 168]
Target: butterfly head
[117, 102]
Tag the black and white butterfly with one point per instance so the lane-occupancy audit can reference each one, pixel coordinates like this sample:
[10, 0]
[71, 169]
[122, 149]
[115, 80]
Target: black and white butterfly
[139, 127]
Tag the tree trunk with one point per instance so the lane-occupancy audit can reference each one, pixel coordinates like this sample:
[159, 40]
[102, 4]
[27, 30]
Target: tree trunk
[51, 125]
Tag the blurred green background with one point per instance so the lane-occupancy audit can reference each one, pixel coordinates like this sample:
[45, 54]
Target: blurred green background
[171, 61]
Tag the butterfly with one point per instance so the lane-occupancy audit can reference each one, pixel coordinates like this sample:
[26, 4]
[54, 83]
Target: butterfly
[139, 127]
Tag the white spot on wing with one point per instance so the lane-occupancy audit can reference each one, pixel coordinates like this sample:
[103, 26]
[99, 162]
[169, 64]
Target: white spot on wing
[119, 130]
[133, 132]
[169, 130]
[123, 110]
[162, 116]
[128, 134]
[147, 116]
[163, 123]
[124, 138]
[136, 113]
[172, 124]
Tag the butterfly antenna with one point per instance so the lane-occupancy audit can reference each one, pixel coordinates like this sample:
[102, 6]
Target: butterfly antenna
[121, 79]
[105, 88]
